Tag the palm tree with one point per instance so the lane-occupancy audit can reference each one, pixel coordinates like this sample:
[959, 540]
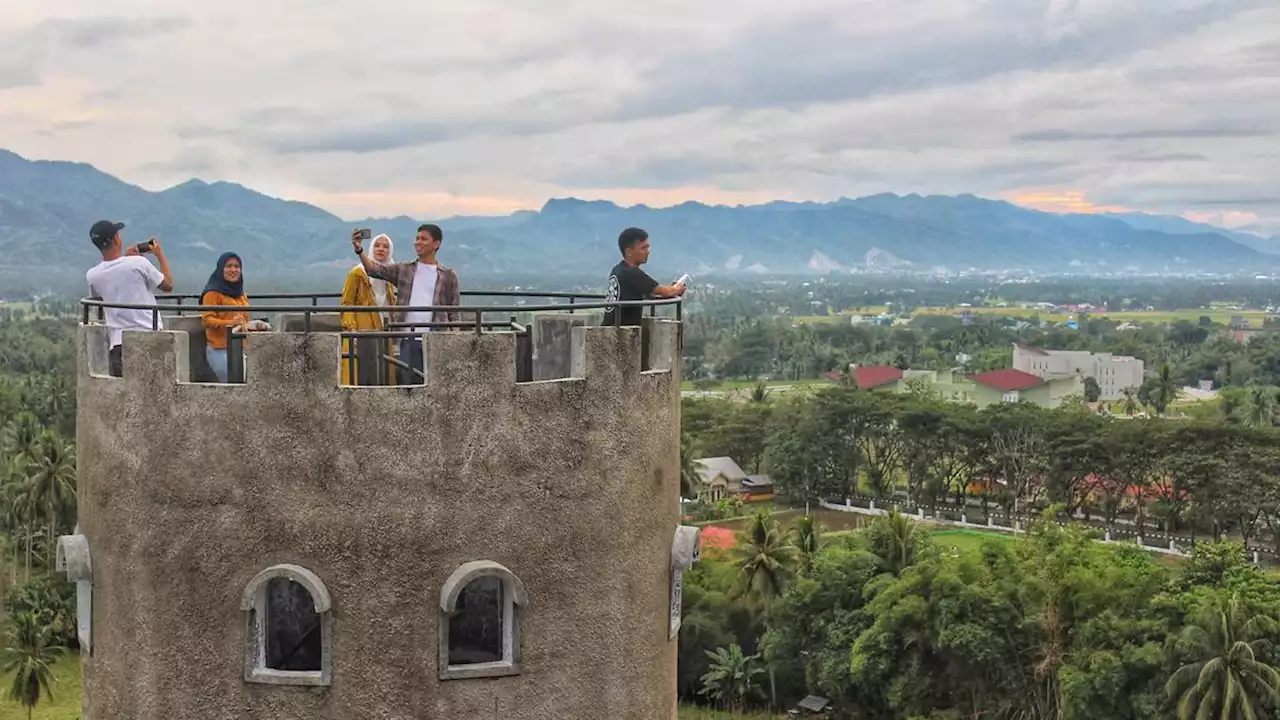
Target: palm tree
[764, 560]
[759, 393]
[1165, 390]
[1130, 400]
[896, 540]
[690, 479]
[28, 658]
[53, 482]
[1227, 679]
[18, 509]
[731, 680]
[806, 536]
[1261, 407]
[21, 434]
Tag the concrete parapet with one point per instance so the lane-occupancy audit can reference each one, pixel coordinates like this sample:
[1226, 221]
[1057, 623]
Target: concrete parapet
[553, 344]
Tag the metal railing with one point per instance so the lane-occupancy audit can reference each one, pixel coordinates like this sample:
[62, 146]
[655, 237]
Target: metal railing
[176, 304]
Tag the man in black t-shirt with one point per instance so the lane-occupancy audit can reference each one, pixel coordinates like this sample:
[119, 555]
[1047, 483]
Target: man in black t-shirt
[628, 282]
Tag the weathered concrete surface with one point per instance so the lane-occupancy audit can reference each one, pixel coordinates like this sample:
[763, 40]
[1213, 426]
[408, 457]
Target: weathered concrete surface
[187, 491]
[552, 344]
[193, 326]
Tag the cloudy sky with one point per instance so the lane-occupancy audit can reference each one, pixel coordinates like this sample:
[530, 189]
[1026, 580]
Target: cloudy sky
[488, 106]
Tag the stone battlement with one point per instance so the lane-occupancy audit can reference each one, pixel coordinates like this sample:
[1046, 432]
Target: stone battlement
[314, 358]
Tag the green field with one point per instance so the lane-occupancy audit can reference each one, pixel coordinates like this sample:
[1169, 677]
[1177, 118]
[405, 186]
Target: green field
[1255, 317]
[66, 695]
[967, 540]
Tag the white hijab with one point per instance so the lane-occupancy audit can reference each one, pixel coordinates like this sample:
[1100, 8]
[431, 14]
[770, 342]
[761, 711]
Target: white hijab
[380, 286]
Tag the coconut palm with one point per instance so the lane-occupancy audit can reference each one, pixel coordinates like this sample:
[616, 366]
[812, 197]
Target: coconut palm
[896, 540]
[21, 435]
[1130, 401]
[764, 560]
[731, 681]
[1165, 389]
[15, 493]
[53, 482]
[806, 536]
[690, 479]
[1226, 680]
[28, 658]
[1261, 407]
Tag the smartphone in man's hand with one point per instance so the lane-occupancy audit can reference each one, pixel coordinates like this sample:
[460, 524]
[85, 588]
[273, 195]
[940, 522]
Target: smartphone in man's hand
[146, 247]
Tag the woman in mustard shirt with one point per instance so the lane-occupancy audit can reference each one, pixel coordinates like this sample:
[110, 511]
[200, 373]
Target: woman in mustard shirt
[360, 289]
[225, 287]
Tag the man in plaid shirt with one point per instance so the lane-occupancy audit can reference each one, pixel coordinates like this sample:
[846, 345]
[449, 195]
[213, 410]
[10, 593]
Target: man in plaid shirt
[419, 283]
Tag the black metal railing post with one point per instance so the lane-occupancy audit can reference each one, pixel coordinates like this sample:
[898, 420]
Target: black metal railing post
[235, 357]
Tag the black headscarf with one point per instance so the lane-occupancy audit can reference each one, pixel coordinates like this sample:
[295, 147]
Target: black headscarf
[218, 283]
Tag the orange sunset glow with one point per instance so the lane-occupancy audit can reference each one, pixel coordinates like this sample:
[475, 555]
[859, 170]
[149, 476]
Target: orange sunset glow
[1059, 201]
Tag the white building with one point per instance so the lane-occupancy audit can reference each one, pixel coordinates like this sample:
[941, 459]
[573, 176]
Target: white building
[1113, 373]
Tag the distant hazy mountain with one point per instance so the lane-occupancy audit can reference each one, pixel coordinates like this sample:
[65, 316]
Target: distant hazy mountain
[46, 209]
[1181, 226]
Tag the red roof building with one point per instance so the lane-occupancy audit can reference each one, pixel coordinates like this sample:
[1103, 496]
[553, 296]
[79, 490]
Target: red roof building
[875, 376]
[869, 377]
[1007, 379]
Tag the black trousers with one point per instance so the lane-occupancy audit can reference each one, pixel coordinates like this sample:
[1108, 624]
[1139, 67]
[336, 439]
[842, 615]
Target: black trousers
[115, 362]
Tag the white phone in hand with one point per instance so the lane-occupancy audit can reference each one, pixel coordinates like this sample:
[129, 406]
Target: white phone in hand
[684, 280]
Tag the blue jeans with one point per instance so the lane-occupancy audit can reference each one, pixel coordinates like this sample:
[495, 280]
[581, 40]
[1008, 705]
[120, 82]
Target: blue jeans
[217, 362]
[411, 355]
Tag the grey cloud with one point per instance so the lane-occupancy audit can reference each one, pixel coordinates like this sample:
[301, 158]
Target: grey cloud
[15, 75]
[377, 137]
[191, 162]
[652, 171]
[821, 57]
[1161, 158]
[25, 53]
[1186, 133]
[91, 33]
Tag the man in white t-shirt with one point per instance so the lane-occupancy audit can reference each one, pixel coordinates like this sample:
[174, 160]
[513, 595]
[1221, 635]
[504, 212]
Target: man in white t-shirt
[422, 282]
[127, 278]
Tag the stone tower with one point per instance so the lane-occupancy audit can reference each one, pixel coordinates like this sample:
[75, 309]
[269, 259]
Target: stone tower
[474, 547]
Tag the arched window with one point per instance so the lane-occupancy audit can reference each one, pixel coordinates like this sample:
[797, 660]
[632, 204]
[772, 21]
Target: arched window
[480, 606]
[289, 627]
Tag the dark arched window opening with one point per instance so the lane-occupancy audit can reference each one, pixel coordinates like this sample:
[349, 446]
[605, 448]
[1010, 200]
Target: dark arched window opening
[293, 627]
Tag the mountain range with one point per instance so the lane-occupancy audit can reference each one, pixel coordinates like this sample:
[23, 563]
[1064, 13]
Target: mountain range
[47, 207]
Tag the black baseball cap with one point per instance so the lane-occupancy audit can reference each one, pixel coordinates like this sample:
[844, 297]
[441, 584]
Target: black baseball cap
[103, 231]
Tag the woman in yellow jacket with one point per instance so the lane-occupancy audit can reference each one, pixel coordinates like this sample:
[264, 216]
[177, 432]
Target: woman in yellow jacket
[225, 287]
[360, 289]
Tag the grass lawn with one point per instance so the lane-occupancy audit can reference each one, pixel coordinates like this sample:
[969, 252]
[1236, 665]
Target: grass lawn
[967, 540]
[693, 712]
[66, 695]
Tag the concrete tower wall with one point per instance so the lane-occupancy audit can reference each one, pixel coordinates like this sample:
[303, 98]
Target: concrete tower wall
[187, 491]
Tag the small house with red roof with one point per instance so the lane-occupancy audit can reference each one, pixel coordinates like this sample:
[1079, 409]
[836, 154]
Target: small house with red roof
[1009, 385]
